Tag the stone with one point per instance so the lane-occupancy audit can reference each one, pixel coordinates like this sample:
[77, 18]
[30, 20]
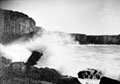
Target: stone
[96, 39]
[21, 70]
[106, 80]
[68, 80]
[21, 73]
[90, 74]
[32, 60]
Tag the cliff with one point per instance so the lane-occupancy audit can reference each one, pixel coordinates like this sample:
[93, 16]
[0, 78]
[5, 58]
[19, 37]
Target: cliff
[96, 39]
[14, 25]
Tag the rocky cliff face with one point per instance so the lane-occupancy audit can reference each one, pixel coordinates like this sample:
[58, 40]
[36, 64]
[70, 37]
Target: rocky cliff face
[14, 25]
[97, 39]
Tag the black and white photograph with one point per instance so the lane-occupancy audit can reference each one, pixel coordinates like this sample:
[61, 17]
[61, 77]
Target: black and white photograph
[59, 41]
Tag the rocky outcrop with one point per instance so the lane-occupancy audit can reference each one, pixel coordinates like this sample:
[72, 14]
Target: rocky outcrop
[68, 80]
[34, 58]
[81, 38]
[106, 80]
[96, 39]
[24, 73]
[14, 25]
[90, 74]
[19, 71]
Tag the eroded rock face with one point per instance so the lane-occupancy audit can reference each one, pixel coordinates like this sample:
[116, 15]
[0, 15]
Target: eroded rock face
[14, 25]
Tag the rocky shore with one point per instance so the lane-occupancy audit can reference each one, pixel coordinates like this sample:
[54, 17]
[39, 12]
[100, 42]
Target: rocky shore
[25, 73]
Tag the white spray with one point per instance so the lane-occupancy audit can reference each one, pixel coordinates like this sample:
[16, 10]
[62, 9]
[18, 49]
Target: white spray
[61, 52]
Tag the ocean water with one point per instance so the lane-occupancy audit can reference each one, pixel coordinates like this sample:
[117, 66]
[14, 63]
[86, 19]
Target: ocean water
[62, 53]
[104, 58]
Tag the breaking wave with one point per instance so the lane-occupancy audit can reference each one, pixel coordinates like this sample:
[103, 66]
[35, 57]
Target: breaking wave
[61, 52]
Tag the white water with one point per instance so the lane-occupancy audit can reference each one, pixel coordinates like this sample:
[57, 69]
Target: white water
[66, 55]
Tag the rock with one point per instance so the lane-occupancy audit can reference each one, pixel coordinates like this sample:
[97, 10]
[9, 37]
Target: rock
[90, 74]
[19, 71]
[3, 64]
[4, 61]
[96, 39]
[81, 38]
[22, 81]
[68, 80]
[34, 58]
[50, 75]
[106, 80]
[14, 25]
[103, 39]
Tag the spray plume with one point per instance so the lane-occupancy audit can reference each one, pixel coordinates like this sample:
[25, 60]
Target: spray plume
[62, 53]
[53, 45]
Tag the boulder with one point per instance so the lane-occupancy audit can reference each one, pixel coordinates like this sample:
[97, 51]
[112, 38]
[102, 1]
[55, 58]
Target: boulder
[21, 73]
[21, 70]
[106, 80]
[90, 74]
[32, 60]
[68, 80]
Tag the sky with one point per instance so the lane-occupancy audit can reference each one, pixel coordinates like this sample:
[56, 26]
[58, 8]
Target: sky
[95, 17]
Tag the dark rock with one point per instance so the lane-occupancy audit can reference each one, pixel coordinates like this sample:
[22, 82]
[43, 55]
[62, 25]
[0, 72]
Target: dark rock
[106, 80]
[90, 74]
[23, 73]
[68, 80]
[21, 70]
[21, 81]
[34, 58]
[81, 38]
[16, 69]
[43, 74]
[96, 39]
[14, 25]
[4, 61]
[3, 64]
[103, 39]
[50, 75]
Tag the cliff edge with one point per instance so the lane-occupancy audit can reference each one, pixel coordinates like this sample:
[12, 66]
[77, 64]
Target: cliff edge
[14, 25]
[96, 39]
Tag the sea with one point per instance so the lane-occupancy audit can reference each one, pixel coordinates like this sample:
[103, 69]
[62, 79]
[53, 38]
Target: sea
[63, 53]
